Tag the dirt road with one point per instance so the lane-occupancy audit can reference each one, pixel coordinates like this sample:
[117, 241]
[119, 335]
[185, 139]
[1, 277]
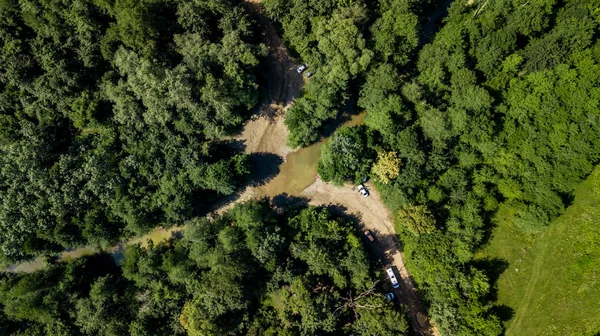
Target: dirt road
[266, 133]
[378, 219]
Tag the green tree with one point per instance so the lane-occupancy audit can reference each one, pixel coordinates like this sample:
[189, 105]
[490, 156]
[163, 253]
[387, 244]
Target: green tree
[417, 219]
[387, 166]
[105, 311]
[342, 45]
[346, 156]
[377, 316]
[396, 32]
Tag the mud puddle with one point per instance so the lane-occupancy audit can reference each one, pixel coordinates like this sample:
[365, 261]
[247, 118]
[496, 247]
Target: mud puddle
[300, 167]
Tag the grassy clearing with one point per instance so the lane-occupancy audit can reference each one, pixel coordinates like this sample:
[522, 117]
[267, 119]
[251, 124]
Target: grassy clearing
[90, 130]
[552, 279]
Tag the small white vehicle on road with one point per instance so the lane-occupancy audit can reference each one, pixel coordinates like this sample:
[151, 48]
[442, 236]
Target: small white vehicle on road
[301, 68]
[363, 191]
[392, 276]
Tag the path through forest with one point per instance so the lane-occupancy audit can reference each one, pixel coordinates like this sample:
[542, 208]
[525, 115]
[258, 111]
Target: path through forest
[375, 217]
[524, 305]
[266, 134]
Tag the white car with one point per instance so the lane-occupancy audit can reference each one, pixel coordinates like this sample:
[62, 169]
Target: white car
[392, 276]
[363, 191]
[301, 68]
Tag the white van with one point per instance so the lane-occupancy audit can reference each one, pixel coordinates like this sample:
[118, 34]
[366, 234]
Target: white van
[392, 276]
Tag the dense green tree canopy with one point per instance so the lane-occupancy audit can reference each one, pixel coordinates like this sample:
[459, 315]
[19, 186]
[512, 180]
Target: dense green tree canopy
[341, 41]
[499, 111]
[347, 156]
[111, 114]
[251, 271]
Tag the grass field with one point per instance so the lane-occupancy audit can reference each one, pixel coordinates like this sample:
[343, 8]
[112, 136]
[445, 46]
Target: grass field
[552, 279]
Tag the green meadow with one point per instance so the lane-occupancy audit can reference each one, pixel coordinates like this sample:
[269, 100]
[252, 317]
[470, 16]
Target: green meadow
[552, 279]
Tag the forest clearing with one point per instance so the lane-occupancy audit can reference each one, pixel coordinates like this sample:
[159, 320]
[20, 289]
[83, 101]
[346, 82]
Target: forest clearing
[266, 133]
[550, 276]
[315, 167]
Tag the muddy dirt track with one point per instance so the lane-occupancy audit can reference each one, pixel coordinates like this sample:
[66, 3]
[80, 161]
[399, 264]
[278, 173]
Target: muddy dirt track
[264, 136]
[375, 217]
[266, 133]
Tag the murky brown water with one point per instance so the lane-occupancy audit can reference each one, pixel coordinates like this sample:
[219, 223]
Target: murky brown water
[297, 172]
[300, 167]
[155, 236]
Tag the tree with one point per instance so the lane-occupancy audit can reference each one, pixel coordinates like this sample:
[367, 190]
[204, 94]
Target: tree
[417, 219]
[480, 126]
[255, 269]
[105, 311]
[104, 135]
[34, 298]
[220, 305]
[346, 156]
[134, 26]
[396, 32]
[377, 316]
[328, 35]
[309, 309]
[387, 166]
[342, 45]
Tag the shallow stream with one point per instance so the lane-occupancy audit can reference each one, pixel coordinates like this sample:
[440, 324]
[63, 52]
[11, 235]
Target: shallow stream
[297, 172]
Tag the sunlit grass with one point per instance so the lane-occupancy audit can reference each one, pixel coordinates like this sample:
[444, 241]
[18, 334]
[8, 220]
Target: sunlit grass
[553, 277]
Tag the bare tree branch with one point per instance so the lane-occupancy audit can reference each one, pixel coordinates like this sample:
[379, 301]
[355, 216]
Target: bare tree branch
[355, 305]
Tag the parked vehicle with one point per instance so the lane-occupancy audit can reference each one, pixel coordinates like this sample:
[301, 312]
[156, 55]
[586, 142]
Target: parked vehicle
[308, 74]
[363, 191]
[389, 296]
[301, 68]
[392, 276]
[369, 235]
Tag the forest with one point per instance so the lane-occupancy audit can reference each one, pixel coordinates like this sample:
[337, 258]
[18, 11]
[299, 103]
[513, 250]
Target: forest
[254, 271]
[115, 115]
[112, 117]
[500, 108]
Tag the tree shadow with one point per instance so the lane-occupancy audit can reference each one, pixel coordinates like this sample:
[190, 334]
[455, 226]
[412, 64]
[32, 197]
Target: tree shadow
[567, 198]
[277, 77]
[284, 202]
[433, 22]
[504, 312]
[490, 224]
[264, 167]
[493, 268]
[223, 150]
[118, 253]
[341, 211]
[332, 125]
[388, 246]
[229, 147]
